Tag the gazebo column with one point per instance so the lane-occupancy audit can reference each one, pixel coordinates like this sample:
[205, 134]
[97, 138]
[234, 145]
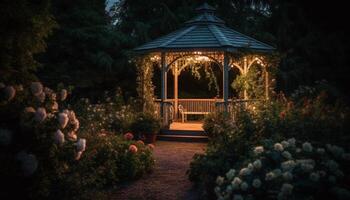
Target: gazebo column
[164, 84]
[176, 88]
[245, 72]
[225, 81]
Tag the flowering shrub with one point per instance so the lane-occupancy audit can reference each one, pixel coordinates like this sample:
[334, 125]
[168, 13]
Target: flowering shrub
[42, 148]
[109, 115]
[288, 170]
[230, 139]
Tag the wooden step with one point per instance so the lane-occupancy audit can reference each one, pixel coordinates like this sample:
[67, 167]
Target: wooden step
[182, 132]
[182, 138]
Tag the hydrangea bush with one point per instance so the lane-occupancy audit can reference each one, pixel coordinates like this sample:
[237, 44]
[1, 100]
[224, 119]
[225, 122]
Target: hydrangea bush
[44, 149]
[288, 170]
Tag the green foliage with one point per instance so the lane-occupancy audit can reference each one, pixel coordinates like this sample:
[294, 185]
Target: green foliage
[24, 27]
[41, 151]
[293, 170]
[313, 118]
[146, 123]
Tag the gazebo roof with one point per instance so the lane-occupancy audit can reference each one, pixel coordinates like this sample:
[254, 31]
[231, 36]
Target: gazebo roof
[205, 31]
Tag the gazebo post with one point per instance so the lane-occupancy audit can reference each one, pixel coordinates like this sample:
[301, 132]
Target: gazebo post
[225, 80]
[164, 84]
[176, 88]
[245, 72]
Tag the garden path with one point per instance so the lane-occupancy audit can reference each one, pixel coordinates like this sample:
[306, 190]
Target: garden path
[168, 181]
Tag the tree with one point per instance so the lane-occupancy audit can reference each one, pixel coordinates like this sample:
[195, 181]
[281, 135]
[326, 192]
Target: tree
[24, 27]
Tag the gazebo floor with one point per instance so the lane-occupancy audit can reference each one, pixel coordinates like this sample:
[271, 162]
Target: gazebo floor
[187, 126]
[184, 132]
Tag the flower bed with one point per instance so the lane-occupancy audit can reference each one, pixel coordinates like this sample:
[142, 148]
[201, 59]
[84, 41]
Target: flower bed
[44, 149]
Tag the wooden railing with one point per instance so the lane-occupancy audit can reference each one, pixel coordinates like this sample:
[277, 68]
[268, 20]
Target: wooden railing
[201, 105]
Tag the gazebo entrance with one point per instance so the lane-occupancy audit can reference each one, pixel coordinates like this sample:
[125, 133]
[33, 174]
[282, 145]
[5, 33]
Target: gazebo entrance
[203, 39]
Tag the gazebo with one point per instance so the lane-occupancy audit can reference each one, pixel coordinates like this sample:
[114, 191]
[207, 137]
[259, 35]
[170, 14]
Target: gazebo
[205, 38]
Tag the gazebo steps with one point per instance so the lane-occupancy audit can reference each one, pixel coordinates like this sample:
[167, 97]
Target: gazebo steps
[183, 136]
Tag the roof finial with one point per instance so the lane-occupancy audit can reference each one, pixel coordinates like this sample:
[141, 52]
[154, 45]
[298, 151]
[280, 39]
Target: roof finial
[205, 8]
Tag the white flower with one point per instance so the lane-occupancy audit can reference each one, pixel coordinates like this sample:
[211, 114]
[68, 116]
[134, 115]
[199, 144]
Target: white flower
[278, 147]
[320, 150]
[269, 176]
[63, 119]
[250, 167]
[298, 150]
[63, 94]
[245, 172]
[336, 150]
[332, 165]
[287, 176]
[40, 114]
[59, 137]
[256, 183]
[29, 163]
[220, 180]
[229, 189]
[10, 93]
[244, 186]
[237, 197]
[258, 149]
[36, 88]
[81, 144]
[291, 142]
[5, 137]
[314, 176]
[288, 165]
[287, 189]
[257, 164]
[287, 155]
[230, 174]
[285, 144]
[307, 147]
[217, 190]
[236, 183]
[41, 97]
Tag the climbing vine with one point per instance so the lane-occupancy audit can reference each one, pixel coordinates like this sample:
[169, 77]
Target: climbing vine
[145, 87]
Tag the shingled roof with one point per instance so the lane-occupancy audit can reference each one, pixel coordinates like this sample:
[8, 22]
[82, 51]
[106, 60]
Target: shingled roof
[205, 31]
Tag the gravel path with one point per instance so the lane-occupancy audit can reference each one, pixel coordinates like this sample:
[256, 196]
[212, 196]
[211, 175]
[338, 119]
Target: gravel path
[168, 181]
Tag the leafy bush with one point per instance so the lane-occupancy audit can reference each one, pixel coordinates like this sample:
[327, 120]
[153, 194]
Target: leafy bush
[288, 170]
[311, 118]
[42, 155]
[145, 123]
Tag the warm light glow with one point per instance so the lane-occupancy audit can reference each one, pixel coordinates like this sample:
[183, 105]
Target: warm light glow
[155, 58]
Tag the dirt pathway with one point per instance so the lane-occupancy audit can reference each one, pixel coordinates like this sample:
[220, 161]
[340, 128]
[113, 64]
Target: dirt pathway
[168, 180]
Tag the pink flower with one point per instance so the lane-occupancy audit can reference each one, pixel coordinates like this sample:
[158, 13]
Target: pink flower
[151, 146]
[29, 110]
[36, 88]
[63, 119]
[132, 148]
[81, 145]
[41, 97]
[10, 93]
[78, 155]
[63, 94]
[59, 137]
[140, 142]
[40, 114]
[128, 136]
[72, 136]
